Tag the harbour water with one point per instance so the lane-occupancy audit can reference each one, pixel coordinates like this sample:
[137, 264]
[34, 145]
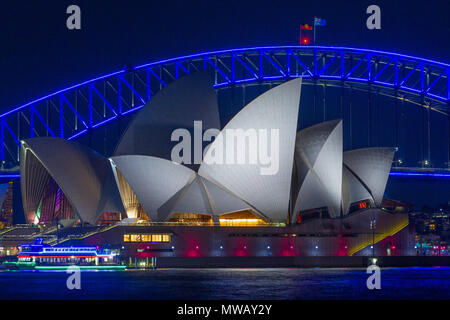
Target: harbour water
[396, 283]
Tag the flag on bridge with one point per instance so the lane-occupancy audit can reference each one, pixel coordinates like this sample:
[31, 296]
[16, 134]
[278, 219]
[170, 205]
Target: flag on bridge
[319, 22]
[306, 27]
[304, 38]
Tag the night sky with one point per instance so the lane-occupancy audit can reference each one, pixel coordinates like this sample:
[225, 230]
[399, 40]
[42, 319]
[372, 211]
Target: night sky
[40, 55]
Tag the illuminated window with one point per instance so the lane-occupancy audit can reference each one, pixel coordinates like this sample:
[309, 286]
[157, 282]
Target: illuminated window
[156, 238]
[146, 238]
[191, 219]
[136, 238]
[240, 219]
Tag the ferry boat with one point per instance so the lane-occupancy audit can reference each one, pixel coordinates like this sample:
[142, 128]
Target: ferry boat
[41, 256]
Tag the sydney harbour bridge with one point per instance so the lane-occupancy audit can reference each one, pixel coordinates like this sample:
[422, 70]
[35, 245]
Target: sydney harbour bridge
[384, 98]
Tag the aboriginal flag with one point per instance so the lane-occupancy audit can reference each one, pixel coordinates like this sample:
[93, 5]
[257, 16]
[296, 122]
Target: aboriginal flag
[305, 27]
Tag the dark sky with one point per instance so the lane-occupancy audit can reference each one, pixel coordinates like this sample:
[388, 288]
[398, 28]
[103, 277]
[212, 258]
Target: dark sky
[40, 55]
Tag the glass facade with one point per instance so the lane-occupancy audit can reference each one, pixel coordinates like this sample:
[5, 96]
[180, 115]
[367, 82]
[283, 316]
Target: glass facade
[147, 237]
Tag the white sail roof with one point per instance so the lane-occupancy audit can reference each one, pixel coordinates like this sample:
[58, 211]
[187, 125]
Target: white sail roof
[371, 166]
[153, 180]
[318, 156]
[222, 201]
[274, 111]
[194, 199]
[84, 176]
[177, 106]
[352, 190]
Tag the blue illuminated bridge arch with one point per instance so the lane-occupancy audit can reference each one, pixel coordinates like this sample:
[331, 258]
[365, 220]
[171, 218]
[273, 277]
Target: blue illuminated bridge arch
[79, 109]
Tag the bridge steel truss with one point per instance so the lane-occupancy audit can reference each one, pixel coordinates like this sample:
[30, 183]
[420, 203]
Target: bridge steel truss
[74, 111]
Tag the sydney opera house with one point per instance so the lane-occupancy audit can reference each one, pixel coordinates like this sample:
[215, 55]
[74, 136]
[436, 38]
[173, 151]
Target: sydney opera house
[178, 185]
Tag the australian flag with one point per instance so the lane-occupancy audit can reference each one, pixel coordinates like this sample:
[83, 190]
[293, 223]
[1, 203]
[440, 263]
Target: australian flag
[319, 22]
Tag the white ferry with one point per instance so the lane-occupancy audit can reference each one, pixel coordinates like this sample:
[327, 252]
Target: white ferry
[40, 256]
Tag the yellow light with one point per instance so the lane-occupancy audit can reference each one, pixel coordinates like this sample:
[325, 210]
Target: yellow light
[240, 222]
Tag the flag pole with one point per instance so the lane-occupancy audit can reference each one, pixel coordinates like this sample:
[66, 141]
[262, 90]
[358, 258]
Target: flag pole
[314, 26]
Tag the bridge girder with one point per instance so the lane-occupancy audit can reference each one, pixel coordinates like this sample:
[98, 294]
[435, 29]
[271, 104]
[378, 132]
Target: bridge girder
[72, 112]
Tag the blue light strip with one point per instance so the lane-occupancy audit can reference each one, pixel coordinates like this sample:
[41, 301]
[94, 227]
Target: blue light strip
[327, 65]
[10, 176]
[393, 174]
[77, 134]
[76, 113]
[287, 50]
[274, 64]
[10, 131]
[132, 89]
[182, 67]
[381, 71]
[407, 77]
[133, 109]
[42, 120]
[434, 82]
[218, 69]
[420, 174]
[104, 121]
[62, 91]
[354, 68]
[303, 48]
[247, 67]
[157, 77]
[104, 100]
[315, 63]
[301, 63]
